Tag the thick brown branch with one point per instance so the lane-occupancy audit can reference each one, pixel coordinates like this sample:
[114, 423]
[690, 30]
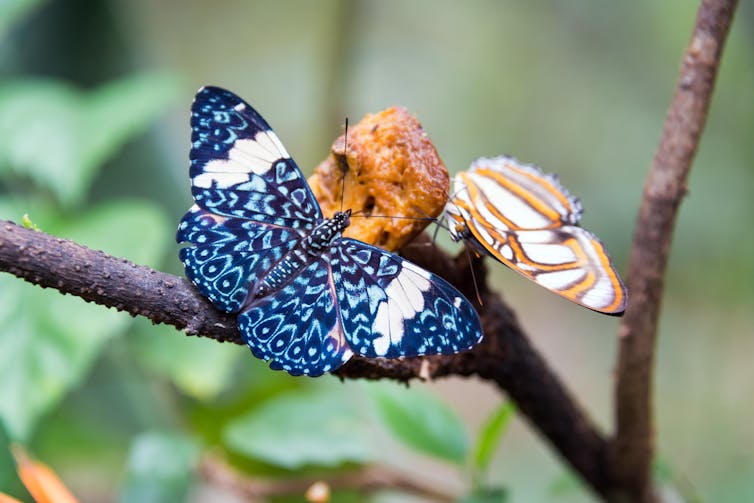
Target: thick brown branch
[505, 356]
[633, 445]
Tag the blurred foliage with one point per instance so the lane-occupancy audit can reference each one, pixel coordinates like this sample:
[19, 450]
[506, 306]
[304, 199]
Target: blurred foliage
[79, 130]
[49, 341]
[201, 368]
[419, 420]
[13, 10]
[489, 437]
[93, 146]
[488, 496]
[303, 428]
[160, 468]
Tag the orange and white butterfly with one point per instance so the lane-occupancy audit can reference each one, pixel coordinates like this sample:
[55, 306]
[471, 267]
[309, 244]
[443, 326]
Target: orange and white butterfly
[528, 221]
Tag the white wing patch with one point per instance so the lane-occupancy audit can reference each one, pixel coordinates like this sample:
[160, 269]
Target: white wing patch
[560, 280]
[516, 209]
[549, 253]
[256, 156]
[601, 294]
[405, 298]
[223, 180]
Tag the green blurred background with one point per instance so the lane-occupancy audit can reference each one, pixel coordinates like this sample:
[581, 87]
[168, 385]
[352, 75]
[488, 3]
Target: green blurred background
[94, 99]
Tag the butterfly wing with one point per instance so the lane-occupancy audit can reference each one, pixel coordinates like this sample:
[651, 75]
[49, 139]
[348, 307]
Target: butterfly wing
[229, 255]
[239, 168]
[392, 308]
[298, 328]
[526, 220]
[510, 196]
[252, 202]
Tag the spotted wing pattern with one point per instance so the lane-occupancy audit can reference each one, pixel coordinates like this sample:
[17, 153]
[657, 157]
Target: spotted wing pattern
[528, 221]
[255, 217]
[230, 255]
[239, 168]
[298, 328]
[391, 307]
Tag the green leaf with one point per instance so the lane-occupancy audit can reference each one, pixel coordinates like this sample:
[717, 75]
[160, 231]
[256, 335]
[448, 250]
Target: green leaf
[198, 366]
[160, 468]
[566, 484]
[137, 230]
[302, 428]
[490, 435]
[420, 420]
[8, 477]
[48, 341]
[487, 495]
[60, 136]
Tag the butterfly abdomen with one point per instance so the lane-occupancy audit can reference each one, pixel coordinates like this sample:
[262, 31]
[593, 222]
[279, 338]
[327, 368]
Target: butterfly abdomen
[318, 241]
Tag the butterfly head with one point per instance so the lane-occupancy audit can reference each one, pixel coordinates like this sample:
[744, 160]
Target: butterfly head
[342, 218]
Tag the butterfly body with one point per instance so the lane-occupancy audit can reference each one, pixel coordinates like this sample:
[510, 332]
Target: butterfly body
[307, 298]
[527, 220]
[319, 240]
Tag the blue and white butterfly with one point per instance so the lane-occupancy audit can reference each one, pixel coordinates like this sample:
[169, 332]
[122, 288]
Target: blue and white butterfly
[307, 298]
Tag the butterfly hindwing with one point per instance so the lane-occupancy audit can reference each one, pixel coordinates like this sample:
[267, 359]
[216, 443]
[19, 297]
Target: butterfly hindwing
[391, 307]
[229, 255]
[239, 167]
[569, 261]
[527, 220]
[298, 328]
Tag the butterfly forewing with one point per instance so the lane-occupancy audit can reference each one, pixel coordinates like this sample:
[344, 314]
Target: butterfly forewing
[526, 220]
[230, 255]
[239, 167]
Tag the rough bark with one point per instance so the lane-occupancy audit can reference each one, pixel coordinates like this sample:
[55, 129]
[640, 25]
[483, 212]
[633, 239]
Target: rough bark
[632, 447]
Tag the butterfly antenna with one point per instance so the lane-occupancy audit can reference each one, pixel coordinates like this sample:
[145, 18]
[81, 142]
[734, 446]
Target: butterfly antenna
[345, 156]
[437, 221]
[473, 277]
[437, 230]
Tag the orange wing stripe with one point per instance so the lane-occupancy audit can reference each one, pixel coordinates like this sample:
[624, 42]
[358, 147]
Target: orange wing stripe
[522, 257]
[525, 195]
[552, 189]
[475, 194]
[618, 288]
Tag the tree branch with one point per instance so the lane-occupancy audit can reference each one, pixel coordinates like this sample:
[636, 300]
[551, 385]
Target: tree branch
[633, 445]
[365, 480]
[505, 357]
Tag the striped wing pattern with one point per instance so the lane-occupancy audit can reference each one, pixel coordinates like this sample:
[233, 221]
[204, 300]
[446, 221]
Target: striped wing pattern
[255, 218]
[529, 222]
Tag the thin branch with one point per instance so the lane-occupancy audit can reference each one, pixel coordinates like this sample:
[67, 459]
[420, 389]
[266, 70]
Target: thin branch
[633, 445]
[365, 480]
[505, 357]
